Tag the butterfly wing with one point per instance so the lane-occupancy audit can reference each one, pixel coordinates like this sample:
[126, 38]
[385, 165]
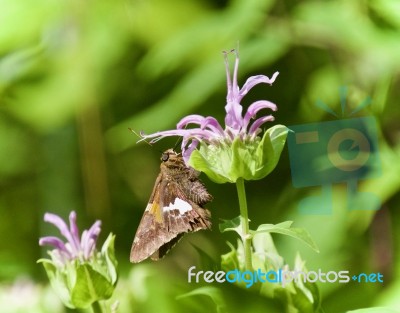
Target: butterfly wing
[167, 217]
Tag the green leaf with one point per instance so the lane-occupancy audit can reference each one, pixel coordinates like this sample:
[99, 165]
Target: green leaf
[269, 150]
[301, 302]
[107, 252]
[202, 160]
[214, 293]
[243, 164]
[298, 296]
[265, 254]
[231, 225]
[285, 229]
[307, 288]
[90, 286]
[58, 281]
[313, 289]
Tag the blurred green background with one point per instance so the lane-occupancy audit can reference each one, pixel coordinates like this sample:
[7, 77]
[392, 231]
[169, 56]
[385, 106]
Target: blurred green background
[75, 75]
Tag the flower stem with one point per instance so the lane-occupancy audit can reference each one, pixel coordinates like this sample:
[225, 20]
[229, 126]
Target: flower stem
[244, 219]
[97, 307]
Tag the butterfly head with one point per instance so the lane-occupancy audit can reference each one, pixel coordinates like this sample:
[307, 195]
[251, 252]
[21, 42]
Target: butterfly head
[170, 156]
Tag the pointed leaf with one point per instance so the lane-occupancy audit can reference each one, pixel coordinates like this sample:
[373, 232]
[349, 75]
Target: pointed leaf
[57, 281]
[309, 289]
[266, 253]
[285, 229]
[108, 252]
[231, 225]
[90, 286]
[269, 150]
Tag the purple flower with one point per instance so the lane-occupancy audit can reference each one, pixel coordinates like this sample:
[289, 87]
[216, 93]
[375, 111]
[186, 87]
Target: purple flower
[74, 248]
[237, 125]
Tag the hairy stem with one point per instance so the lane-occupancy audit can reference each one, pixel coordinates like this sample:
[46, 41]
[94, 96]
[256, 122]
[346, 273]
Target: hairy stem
[244, 218]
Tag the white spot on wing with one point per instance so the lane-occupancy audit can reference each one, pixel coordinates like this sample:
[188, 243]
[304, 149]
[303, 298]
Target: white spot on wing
[180, 205]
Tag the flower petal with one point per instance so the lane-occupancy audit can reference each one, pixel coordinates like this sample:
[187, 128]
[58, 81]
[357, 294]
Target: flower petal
[89, 248]
[258, 122]
[53, 241]
[198, 133]
[235, 87]
[60, 258]
[228, 76]
[204, 122]
[212, 124]
[93, 233]
[72, 251]
[162, 134]
[89, 238]
[190, 119]
[187, 151]
[255, 80]
[74, 230]
[254, 108]
[60, 224]
[95, 230]
[233, 118]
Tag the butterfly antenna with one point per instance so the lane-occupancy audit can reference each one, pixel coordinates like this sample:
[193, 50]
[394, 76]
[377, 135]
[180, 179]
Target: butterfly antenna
[177, 143]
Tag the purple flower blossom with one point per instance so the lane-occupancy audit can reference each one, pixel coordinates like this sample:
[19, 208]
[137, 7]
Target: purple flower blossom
[209, 131]
[74, 248]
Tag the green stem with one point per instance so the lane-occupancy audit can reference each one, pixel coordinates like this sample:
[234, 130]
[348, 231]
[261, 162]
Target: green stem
[97, 307]
[244, 218]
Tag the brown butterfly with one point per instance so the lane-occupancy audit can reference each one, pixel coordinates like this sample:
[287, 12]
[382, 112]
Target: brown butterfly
[175, 208]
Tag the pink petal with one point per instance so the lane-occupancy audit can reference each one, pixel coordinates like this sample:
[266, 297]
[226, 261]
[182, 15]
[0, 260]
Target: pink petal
[74, 230]
[233, 118]
[255, 80]
[258, 122]
[89, 238]
[254, 108]
[190, 119]
[187, 151]
[212, 124]
[60, 224]
[53, 241]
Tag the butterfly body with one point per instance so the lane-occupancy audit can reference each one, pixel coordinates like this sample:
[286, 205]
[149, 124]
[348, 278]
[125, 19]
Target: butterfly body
[175, 208]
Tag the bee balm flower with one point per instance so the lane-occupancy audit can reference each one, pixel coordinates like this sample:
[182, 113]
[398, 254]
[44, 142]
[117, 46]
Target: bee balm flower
[81, 249]
[79, 273]
[237, 150]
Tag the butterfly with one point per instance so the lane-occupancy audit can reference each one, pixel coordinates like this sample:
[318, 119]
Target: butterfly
[176, 207]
